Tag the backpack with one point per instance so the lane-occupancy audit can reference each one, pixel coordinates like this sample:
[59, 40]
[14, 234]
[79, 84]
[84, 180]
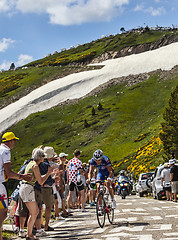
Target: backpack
[15, 194]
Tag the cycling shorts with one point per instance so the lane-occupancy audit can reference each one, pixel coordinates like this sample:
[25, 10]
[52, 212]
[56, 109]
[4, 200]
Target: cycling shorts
[101, 177]
[72, 186]
[3, 196]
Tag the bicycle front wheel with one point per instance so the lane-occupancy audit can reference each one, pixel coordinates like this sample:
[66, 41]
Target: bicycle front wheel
[110, 213]
[100, 210]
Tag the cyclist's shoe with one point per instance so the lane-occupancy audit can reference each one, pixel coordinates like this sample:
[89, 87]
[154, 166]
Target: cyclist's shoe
[113, 203]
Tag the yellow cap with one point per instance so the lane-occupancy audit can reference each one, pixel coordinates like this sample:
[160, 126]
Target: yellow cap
[9, 136]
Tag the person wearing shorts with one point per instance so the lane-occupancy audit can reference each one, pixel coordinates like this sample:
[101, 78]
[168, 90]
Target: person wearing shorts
[165, 178]
[73, 169]
[29, 195]
[105, 170]
[8, 143]
[174, 178]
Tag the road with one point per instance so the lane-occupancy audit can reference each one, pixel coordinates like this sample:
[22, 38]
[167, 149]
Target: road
[135, 219]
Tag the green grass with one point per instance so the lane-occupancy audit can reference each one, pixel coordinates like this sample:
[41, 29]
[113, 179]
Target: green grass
[127, 113]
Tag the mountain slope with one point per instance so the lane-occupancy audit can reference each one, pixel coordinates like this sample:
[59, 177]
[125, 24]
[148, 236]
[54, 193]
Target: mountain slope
[79, 84]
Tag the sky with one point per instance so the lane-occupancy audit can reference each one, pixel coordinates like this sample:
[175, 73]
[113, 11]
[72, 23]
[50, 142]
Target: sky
[31, 29]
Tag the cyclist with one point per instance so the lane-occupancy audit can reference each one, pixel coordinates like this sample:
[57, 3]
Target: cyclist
[105, 170]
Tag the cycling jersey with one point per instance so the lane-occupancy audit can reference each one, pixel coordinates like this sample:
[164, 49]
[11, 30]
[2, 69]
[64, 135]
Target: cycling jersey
[102, 168]
[73, 166]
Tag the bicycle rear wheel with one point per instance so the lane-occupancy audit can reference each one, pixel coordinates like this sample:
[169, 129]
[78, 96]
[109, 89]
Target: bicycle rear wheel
[100, 210]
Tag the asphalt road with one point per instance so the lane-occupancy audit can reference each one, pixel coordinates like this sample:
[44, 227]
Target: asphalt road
[135, 219]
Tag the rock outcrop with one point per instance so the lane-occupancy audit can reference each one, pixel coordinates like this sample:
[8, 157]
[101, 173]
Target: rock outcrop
[135, 49]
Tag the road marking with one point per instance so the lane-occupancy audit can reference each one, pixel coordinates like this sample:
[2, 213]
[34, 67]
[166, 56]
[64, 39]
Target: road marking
[100, 230]
[142, 237]
[157, 208]
[153, 218]
[171, 234]
[130, 219]
[160, 227]
[172, 216]
[130, 229]
[118, 235]
[136, 209]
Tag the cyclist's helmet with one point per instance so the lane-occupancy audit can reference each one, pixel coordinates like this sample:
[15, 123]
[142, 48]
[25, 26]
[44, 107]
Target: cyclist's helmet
[98, 154]
[122, 172]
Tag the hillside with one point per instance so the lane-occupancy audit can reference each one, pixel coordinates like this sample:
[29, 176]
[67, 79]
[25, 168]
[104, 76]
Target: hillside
[128, 125]
[129, 120]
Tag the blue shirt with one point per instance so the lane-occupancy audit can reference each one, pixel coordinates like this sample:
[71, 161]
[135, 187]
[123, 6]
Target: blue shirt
[102, 169]
[43, 166]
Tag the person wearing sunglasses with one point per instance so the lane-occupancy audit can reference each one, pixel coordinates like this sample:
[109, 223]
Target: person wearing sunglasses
[105, 171]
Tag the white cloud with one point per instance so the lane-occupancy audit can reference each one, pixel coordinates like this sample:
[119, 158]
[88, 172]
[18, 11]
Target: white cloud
[23, 59]
[70, 12]
[4, 6]
[5, 65]
[139, 7]
[156, 12]
[5, 43]
[153, 11]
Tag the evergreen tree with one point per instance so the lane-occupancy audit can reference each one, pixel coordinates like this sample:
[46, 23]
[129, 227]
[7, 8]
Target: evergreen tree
[12, 67]
[86, 124]
[93, 111]
[169, 136]
[122, 29]
[100, 107]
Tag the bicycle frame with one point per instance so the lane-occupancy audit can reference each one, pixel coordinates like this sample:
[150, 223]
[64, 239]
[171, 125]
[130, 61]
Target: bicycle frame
[103, 206]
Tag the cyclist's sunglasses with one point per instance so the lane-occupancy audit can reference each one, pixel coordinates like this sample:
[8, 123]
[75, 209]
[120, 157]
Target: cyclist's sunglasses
[97, 160]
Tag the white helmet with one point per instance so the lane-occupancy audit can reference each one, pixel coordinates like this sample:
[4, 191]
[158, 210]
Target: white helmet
[98, 154]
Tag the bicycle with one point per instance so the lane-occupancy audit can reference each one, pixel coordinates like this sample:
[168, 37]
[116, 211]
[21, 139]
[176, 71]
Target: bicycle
[104, 206]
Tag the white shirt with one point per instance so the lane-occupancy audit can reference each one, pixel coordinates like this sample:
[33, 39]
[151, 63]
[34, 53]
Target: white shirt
[165, 174]
[5, 157]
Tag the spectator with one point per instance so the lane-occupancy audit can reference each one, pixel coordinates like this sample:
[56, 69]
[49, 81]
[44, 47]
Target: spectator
[27, 191]
[165, 178]
[8, 143]
[56, 188]
[62, 160]
[73, 168]
[174, 178]
[46, 188]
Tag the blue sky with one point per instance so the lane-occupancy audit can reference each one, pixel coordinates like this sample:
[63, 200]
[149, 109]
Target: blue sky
[31, 29]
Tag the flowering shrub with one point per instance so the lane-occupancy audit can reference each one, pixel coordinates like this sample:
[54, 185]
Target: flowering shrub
[145, 159]
[9, 83]
[66, 59]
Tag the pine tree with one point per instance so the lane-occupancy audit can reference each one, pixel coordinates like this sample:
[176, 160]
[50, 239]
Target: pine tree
[93, 111]
[169, 136]
[12, 67]
[86, 124]
[100, 107]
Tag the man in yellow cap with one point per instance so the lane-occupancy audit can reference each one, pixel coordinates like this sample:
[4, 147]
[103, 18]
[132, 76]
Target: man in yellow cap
[8, 143]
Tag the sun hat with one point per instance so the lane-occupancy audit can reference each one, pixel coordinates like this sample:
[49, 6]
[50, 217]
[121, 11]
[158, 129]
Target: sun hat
[171, 161]
[8, 136]
[63, 155]
[49, 152]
